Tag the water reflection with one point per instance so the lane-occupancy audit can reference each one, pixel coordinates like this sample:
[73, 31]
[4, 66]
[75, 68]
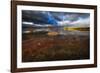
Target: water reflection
[56, 30]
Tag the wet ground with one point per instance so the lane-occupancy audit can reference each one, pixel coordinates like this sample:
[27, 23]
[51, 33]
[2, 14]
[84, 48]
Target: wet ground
[66, 45]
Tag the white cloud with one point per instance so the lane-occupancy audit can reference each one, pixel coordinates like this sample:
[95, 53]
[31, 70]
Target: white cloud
[62, 23]
[81, 22]
[29, 23]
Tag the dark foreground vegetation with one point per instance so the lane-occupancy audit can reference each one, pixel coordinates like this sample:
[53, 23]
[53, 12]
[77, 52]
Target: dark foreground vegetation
[39, 47]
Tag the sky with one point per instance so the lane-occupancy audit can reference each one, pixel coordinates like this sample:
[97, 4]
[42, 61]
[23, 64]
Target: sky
[42, 18]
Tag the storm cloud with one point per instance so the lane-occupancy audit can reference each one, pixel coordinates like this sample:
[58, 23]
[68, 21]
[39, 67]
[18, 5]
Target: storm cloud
[56, 18]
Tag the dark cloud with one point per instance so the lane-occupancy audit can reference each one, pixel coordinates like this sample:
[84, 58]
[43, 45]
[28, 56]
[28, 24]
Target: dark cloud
[38, 17]
[52, 18]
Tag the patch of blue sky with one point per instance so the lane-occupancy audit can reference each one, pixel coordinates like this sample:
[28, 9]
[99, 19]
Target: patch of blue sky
[56, 18]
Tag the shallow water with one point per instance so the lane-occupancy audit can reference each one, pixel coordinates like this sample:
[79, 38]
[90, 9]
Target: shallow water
[59, 30]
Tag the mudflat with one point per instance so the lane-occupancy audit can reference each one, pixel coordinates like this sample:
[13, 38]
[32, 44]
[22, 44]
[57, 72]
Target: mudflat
[74, 45]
